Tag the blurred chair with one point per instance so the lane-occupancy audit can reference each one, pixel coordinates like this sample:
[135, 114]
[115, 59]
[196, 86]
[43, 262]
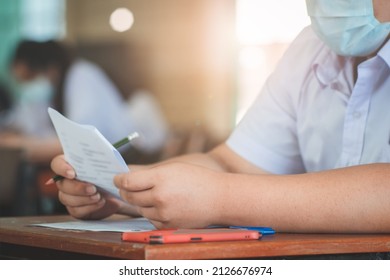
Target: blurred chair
[23, 191]
[17, 192]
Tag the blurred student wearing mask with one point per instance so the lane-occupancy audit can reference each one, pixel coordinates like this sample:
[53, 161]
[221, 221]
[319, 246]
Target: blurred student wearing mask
[49, 75]
[311, 155]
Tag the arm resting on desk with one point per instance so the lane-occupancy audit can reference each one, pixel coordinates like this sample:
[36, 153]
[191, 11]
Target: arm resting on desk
[220, 187]
[183, 193]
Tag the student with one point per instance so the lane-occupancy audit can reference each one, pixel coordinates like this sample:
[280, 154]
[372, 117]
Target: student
[50, 76]
[311, 155]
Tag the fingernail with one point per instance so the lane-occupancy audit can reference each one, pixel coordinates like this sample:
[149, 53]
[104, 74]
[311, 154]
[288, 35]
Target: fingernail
[101, 202]
[96, 197]
[90, 189]
[70, 173]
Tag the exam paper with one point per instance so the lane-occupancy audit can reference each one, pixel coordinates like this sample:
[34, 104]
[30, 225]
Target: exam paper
[94, 159]
[127, 225]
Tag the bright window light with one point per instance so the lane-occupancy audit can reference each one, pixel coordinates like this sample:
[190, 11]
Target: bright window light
[264, 30]
[265, 21]
[121, 19]
[43, 19]
[251, 57]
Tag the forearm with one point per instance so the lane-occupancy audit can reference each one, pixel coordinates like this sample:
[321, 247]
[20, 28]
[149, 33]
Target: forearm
[221, 158]
[37, 150]
[355, 199]
[42, 150]
[201, 159]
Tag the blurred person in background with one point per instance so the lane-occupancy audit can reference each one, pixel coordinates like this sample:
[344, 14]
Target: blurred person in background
[48, 74]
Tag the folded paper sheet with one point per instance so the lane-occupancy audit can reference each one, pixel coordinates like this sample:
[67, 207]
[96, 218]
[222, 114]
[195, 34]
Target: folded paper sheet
[127, 225]
[94, 159]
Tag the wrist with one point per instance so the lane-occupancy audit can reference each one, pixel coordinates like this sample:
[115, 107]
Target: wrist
[222, 199]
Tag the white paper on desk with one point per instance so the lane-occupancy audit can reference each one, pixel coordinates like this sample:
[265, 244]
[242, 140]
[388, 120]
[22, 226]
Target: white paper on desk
[128, 225]
[94, 159]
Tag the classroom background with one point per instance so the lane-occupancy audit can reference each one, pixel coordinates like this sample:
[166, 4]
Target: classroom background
[203, 62]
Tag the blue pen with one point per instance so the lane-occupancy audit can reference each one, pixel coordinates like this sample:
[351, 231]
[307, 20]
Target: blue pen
[262, 230]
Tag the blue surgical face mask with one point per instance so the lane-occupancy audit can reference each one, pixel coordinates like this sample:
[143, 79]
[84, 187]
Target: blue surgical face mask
[348, 27]
[38, 90]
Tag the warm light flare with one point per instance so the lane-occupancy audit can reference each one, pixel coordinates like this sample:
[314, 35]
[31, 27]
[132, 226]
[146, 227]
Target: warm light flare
[121, 19]
[266, 22]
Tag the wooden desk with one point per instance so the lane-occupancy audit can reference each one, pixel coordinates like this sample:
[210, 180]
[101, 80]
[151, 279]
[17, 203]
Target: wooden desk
[19, 240]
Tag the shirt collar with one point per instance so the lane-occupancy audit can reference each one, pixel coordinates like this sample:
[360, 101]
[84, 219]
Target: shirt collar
[384, 53]
[334, 71]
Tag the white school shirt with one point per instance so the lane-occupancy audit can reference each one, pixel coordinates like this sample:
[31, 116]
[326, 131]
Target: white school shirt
[310, 116]
[91, 98]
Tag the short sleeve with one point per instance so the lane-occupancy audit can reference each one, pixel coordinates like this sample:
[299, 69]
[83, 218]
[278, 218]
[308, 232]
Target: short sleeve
[267, 135]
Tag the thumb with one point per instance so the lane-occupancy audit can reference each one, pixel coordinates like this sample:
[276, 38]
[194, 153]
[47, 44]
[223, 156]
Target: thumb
[61, 167]
[134, 181]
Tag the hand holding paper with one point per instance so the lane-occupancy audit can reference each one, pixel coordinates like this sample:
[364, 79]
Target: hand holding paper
[94, 159]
